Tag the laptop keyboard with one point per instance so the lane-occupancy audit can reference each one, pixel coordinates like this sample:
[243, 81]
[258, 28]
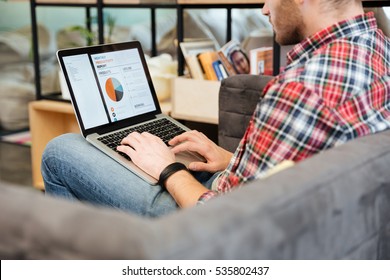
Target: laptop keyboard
[162, 128]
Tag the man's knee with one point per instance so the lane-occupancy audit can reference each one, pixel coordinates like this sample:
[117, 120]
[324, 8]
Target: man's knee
[61, 146]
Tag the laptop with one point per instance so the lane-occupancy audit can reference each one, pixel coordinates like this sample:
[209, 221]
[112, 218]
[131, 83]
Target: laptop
[112, 95]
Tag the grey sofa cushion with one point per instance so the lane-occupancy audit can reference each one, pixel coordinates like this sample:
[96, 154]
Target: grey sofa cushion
[238, 97]
[335, 205]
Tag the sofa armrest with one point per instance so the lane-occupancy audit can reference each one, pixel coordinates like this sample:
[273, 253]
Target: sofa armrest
[334, 205]
[238, 97]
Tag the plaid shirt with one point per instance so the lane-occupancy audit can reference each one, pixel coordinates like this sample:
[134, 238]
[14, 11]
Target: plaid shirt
[336, 87]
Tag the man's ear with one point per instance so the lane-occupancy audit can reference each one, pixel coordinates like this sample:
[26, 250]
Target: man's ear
[307, 3]
[300, 3]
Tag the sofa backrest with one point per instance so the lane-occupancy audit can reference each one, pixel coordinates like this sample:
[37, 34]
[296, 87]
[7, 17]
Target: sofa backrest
[238, 97]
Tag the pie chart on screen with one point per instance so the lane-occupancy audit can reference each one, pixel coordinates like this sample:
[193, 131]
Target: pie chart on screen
[114, 89]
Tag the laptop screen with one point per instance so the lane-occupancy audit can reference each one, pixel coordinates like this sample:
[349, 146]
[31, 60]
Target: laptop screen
[108, 83]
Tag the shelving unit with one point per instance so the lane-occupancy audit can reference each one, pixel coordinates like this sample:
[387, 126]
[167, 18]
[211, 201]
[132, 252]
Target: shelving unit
[134, 4]
[179, 5]
[228, 5]
[235, 4]
[48, 119]
[87, 4]
[100, 5]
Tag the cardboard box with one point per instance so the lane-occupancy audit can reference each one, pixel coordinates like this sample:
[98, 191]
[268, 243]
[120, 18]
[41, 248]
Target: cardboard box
[195, 100]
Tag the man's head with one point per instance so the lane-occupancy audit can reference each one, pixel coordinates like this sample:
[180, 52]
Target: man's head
[294, 20]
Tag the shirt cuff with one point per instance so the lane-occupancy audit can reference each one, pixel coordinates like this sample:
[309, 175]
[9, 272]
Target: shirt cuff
[206, 197]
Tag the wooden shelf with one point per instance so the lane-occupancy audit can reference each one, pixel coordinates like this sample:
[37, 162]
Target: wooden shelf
[48, 119]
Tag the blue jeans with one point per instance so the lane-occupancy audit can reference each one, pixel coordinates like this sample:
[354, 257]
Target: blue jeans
[74, 169]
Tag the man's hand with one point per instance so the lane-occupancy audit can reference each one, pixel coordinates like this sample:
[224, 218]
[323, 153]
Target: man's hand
[217, 159]
[148, 152]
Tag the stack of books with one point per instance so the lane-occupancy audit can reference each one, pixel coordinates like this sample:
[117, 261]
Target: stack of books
[205, 62]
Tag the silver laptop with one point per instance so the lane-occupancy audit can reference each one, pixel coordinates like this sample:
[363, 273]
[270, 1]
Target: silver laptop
[112, 95]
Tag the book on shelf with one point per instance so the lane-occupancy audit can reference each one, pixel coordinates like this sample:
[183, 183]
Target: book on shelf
[226, 64]
[261, 61]
[234, 58]
[206, 61]
[194, 67]
[220, 71]
[191, 51]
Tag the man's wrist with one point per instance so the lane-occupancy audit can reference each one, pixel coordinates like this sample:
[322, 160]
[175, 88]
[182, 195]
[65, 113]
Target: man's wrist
[169, 171]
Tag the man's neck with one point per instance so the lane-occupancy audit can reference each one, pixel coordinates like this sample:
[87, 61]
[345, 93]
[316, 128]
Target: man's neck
[319, 18]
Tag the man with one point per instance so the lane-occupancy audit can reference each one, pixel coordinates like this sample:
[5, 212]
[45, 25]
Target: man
[335, 88]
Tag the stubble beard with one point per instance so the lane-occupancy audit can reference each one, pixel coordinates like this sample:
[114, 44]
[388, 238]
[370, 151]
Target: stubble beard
[291, 37]
[289, 28]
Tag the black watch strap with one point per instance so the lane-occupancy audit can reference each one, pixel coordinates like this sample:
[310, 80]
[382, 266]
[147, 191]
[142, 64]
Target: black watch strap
[169, 171]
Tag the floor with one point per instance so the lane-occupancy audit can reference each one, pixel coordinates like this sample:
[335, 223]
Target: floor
[15, 164]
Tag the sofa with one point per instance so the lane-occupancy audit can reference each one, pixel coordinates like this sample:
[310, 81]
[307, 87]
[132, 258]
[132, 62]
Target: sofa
[334, 205]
